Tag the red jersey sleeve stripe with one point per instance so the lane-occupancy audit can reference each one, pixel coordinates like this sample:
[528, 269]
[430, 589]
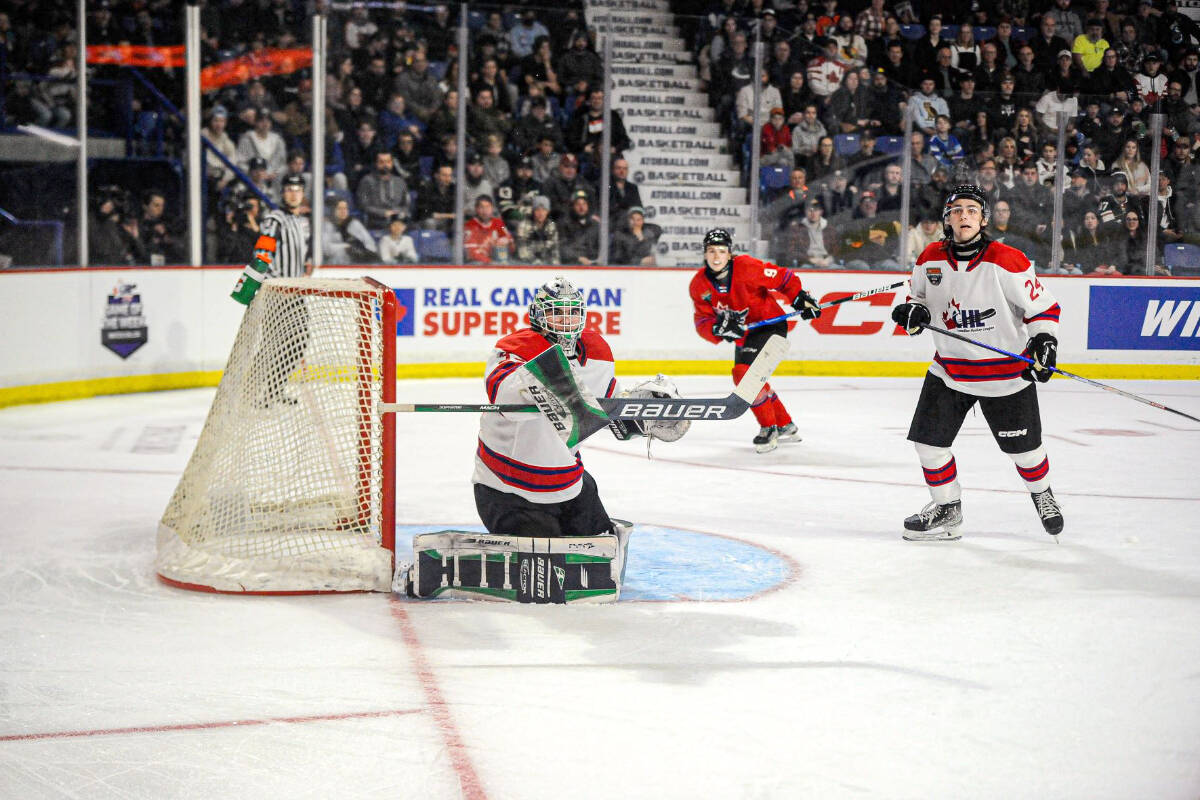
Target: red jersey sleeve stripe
[612, 387]
[497, 376]
[1050, 314]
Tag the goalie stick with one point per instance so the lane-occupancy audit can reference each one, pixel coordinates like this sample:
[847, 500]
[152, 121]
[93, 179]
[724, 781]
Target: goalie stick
[563, 393]
[858, 296]
[1062, 372]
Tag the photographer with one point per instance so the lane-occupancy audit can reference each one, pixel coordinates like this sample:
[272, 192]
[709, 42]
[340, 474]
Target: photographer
[110, 238]
[239, 229]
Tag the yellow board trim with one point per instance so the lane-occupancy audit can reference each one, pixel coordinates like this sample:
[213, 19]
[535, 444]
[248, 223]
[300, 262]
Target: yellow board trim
[131, 384]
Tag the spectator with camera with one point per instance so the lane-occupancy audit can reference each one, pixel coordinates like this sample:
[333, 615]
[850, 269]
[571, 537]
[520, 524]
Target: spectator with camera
[113, 230]
[239, 230]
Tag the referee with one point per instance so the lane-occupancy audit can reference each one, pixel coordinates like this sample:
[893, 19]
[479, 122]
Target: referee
[285, 236]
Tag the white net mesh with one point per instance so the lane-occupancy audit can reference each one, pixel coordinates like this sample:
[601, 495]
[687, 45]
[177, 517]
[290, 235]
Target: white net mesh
[285, 490]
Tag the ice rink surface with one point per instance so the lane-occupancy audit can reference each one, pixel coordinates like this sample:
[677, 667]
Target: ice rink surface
[1001, 666]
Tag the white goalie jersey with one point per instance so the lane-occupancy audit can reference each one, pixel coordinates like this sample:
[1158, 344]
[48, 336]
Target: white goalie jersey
[995, 298]
[521, 453]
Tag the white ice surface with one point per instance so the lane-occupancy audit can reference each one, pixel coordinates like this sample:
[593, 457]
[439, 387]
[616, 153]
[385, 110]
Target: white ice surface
[1002, 666]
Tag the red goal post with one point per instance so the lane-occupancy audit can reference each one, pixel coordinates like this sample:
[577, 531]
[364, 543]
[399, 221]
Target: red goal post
[291, 487]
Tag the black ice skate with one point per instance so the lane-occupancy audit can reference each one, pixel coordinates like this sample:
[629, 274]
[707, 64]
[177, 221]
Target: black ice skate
[935, 523]
[767, 439]
[789, 433]
[1048, 509]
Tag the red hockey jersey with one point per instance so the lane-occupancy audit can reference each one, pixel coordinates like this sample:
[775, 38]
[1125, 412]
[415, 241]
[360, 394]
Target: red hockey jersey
[750, 284]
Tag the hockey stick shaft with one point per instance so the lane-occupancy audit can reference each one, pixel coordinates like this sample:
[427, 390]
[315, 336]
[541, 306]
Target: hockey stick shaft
[858, 296]
[1062, 372]
[730, 407]
[394, 408]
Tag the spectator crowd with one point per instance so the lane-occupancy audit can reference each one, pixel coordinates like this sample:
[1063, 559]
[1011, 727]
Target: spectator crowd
[985, 86]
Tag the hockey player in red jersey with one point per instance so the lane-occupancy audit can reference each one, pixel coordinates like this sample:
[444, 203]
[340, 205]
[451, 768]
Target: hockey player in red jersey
[987, 289]
[528, 482]
[728, 294]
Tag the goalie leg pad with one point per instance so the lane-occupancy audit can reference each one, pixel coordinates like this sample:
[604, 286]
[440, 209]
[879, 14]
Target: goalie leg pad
[522, 569]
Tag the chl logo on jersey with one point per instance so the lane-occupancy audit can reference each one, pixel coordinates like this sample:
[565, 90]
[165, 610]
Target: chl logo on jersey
[934, 274]
[966, 318]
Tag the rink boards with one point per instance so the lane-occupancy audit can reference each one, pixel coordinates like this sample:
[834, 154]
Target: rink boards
[143, 329]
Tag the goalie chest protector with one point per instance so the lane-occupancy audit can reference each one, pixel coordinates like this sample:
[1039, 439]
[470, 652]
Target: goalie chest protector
[520, 453]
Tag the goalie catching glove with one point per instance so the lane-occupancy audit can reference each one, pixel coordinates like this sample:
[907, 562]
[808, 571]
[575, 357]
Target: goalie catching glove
[1043, 349]
[666, 430]
[806, 305]
[911, 316]
[730, 324]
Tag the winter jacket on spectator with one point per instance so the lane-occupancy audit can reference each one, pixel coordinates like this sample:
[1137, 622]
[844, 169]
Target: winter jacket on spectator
[587, 128]
[420, 88]
[380, 196]
[537, 243]
[629, 248]
[529, 129]
[805, 136]
[579, 238]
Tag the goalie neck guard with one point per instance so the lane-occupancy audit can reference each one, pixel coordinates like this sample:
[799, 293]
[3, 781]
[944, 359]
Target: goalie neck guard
[558, 313]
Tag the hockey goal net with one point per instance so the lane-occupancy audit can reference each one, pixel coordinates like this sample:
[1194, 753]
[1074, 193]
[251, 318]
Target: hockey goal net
[290, 487]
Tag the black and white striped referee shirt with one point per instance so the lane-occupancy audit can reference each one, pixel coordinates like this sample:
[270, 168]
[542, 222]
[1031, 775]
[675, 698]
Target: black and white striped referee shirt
[291, 235]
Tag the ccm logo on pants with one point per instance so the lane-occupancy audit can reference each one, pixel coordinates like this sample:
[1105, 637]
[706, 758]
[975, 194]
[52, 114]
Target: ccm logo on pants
[1012, 434]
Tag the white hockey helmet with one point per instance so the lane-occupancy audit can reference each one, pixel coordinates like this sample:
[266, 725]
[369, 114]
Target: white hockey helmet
[558, 313]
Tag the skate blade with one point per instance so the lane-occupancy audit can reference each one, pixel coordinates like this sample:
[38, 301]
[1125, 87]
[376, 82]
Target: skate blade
[791, 437]
[766, 448]
[952, 535]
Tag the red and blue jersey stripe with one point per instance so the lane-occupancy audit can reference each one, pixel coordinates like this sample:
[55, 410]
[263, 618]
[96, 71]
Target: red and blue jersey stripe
[1049, 315]
[497, 376]
[984, 369]
[530, 477]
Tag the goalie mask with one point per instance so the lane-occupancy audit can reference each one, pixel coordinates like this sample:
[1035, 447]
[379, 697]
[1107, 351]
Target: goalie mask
[558, 313]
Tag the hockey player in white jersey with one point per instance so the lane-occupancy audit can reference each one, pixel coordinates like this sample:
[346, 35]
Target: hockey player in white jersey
[974, 285]
[528, 482]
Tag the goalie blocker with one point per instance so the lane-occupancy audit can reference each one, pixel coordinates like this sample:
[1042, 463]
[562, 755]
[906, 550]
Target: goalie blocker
[522, 569]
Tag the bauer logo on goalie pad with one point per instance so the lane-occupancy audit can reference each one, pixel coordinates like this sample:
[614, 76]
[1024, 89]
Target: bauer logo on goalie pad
[673, 410]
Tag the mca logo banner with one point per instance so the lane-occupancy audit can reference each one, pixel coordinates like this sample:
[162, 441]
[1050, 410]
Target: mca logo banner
[1144, 318]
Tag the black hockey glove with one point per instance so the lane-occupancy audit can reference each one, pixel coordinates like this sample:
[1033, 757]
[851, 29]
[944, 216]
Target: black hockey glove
[730, 324]
[911, 316]
[626, 429]
[1043, 349]
[806, 305]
